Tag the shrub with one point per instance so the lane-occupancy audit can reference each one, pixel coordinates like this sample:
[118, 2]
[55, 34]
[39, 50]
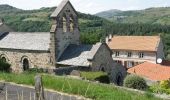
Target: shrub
[4, 66]
[135, 82]
[162, 87]
[165, 84]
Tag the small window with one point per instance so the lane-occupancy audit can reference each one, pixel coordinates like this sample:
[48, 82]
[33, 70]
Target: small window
[141, 55]
[129, 54]
[117, 53]
[64, 24]
[71, 25]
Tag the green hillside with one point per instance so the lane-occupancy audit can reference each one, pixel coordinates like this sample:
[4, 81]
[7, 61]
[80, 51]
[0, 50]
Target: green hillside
[159, 15]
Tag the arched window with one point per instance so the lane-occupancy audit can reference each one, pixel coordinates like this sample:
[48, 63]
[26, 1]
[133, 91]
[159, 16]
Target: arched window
[4, 59]
[119, 80]
[64, 24]
[71, 24]
[102, 68]
[25, 64]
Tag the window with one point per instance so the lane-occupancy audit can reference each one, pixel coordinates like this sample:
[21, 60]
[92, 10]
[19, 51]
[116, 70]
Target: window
[141, 55]
[117, 53]
[129, 54]
[25, 64]
[71, 25]
[3, 59]
[64, 24]
[130, 64]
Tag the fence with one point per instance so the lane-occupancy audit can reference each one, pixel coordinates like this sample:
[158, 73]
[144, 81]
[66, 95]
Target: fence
[20, 92]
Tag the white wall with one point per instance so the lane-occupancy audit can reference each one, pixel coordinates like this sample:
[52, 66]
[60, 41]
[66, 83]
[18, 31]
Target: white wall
[148, 56]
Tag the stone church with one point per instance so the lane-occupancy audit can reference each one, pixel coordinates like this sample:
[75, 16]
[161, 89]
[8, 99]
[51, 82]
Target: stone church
[59, 47]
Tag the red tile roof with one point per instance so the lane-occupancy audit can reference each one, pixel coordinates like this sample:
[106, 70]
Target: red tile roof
[151, 71]
[136, 43]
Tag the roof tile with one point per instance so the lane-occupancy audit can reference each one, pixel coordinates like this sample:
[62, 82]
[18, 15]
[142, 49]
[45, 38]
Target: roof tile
[136, 43]
[151, 71]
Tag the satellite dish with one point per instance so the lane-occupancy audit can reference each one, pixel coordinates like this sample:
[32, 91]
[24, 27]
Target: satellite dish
[159, 60]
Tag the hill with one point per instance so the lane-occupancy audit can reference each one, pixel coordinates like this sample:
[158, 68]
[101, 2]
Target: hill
[40, 17]
[109, 13]
[160, 15]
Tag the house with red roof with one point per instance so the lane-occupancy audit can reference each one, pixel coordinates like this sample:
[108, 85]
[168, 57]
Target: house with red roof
[151, 71]
[133, 50]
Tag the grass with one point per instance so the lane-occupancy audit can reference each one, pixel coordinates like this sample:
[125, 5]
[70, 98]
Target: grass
[78, 87]
[92, 75]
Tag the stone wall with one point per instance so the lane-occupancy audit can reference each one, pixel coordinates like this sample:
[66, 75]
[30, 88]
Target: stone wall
[39, 59]
[160, 51]
[103, 62]
[69, 69]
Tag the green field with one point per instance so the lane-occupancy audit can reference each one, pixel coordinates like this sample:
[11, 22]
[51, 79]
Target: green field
[77, 87]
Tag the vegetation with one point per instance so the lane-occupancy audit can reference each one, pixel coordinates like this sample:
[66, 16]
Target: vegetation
[96, 76]
[135, 82]
[78, 87]
[4, 66]
[162, 87]
[159, 15]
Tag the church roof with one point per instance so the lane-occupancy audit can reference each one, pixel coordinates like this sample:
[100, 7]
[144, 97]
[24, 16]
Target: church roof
[60, 8]
[78, 55]
[25, 40]
[136, 43]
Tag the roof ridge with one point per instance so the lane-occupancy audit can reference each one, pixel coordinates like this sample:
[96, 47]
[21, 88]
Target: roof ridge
[59, 8]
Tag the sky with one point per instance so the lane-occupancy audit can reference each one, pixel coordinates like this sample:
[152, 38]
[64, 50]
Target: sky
[90, 6]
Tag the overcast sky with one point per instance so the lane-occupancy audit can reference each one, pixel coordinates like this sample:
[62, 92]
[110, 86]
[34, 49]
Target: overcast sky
[90, 6]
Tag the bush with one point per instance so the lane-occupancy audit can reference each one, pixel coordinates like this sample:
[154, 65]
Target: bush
[162, 87]
[135, 82]
[165, 84]
[4, 66]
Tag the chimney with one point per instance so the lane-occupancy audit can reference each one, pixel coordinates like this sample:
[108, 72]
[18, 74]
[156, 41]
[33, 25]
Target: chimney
[110, 37]
[107, 40]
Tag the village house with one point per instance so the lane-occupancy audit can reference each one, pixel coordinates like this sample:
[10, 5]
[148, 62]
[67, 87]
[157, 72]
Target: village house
[59, 47]
[133, 50]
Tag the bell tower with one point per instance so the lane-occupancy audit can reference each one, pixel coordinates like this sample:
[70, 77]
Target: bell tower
[64, 30]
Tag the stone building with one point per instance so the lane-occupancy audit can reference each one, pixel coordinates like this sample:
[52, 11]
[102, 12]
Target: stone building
[133, 50]
[59, 47]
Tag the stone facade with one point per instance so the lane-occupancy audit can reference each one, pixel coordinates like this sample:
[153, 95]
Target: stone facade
[65, 30]
[102, 61]
[35, 59]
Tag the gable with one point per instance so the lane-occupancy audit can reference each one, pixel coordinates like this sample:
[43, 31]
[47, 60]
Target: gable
[64, 7]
